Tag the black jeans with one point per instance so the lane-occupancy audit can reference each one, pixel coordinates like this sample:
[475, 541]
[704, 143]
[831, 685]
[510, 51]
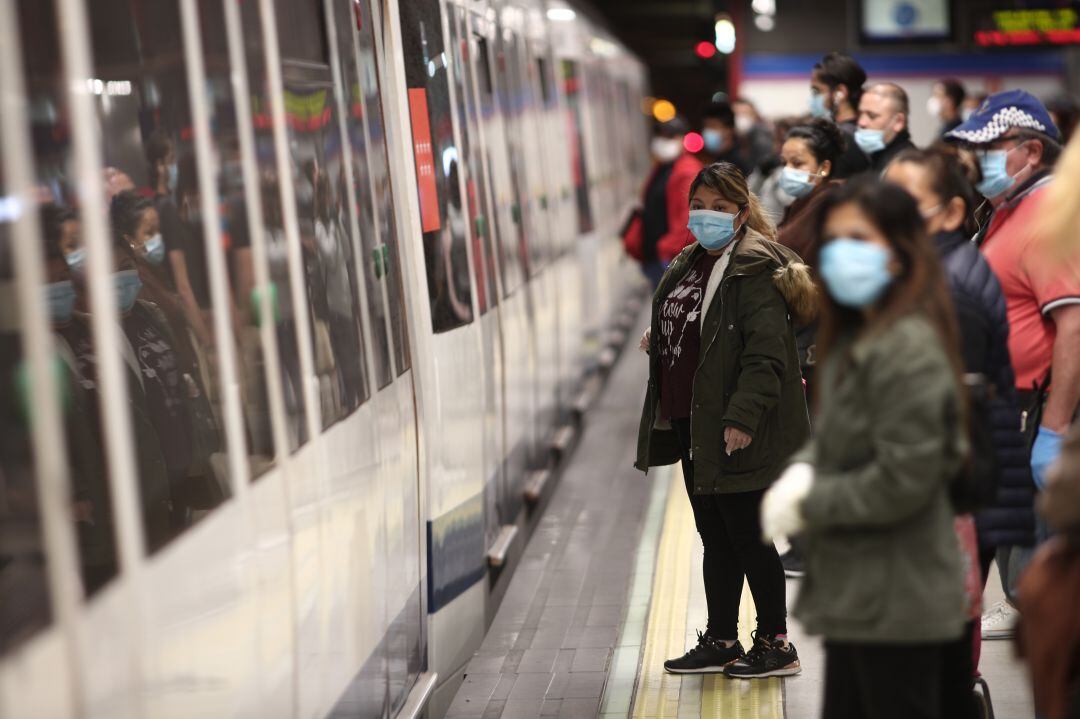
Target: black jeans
[730, 529]
[884, 681]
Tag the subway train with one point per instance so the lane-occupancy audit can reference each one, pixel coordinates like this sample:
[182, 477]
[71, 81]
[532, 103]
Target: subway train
[300, 302]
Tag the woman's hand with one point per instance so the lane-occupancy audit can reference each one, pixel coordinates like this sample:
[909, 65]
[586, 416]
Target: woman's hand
[735, 439]
[781, 509]
[643, 345]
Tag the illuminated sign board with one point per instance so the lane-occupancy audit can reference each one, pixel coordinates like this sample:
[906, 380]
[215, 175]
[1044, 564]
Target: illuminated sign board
[1059, 26]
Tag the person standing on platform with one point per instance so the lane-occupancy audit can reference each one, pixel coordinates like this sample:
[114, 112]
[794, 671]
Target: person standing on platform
[722, 142]
[656, 231]
[883, 124]
[836, 87]
[946, 104]
[725, 398]
[870, 492]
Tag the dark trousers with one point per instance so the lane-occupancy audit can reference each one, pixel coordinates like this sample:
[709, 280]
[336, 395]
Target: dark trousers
[875, 681]
[730, 529]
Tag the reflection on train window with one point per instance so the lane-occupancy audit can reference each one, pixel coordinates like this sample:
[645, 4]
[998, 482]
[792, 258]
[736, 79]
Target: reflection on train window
[24, 591]
[572, 88]
[326, 246]
[442, 212]
[280, 289]
[479, 214]
[515, 102]
[244, 295]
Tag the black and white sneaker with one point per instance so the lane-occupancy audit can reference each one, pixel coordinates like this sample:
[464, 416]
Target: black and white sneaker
[794, 568]
[708, 657]
[768, 658]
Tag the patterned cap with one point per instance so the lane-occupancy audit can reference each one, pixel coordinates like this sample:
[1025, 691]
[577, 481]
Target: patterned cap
[1002, 112]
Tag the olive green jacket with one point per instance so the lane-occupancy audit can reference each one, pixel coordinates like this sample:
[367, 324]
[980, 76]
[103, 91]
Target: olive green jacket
[882, 560]
[747, 375]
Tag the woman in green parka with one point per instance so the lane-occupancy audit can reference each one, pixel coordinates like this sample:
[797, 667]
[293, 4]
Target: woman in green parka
[870, 492]
[725, 397]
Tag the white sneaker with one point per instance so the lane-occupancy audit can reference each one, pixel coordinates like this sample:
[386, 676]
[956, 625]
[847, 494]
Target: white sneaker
[999, 622]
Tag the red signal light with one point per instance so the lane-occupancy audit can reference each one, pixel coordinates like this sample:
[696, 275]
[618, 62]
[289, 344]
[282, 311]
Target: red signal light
[705, 50]
[693, 142]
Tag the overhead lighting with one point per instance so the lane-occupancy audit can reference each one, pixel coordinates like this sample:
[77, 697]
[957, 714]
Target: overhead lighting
[663, 110]
[725, 35]
[561, 14]
[693, 142]
[705, 49]
[764, 7]
[765, 23]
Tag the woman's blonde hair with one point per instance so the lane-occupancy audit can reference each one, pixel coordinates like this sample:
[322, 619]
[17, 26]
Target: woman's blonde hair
[728, 180]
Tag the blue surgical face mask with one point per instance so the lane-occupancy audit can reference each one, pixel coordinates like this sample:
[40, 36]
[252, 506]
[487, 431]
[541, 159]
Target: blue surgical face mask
[996, 179]
[155, 249]
[76, 259]
[60, 296]
[797, 183]
[713, 230]
[127, 285]
[714, 141]
[817, 105]
[856, 273]
[870, 141]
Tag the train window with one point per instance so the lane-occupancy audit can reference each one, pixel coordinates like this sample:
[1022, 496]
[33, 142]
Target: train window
[574, 122]
[442, 212]
[245, 295]
[322, 211]
[274, 228]
[24, 590]
[475, 178]
[379, 167]
[515, 101]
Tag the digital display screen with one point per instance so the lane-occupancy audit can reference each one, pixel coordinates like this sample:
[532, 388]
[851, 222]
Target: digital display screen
[1030, 26]
[905, 20]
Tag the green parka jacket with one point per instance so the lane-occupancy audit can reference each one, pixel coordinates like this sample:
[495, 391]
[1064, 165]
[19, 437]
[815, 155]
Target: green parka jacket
[747, 375]
[882, 559]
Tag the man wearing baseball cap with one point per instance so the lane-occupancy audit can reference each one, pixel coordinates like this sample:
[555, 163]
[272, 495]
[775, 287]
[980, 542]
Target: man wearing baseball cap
[1017, 145]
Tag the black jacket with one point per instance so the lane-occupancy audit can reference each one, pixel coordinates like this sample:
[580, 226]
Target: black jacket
[879, 160]
[984, 335]
[854, 160]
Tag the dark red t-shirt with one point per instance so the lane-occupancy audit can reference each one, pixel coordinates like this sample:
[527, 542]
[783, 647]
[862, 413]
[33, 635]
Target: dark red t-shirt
[680, 339]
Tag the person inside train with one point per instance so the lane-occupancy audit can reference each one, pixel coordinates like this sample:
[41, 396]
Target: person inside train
[90, 507]
[870, 493]
[173, 257]
[946, 103]
[656, 231]
[725, 398]
[836, 87]
[946, 198]
[883, 124]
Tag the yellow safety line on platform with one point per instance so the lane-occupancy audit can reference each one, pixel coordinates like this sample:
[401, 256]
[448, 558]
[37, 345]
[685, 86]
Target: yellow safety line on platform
[657, 693]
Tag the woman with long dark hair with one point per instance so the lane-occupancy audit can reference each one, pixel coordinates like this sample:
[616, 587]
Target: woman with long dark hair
[870, 492]
[725, 398]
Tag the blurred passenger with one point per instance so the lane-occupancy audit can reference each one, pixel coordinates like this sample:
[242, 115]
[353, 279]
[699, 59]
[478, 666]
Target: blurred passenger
[765, 180]
[810, 153]
[722, 142]
[116, 181]
[164, 182]
[731, 410]
[1064, 109]
[883, 124]
[1018, 147]
[972, 103]
[656, 232]
[836, 87]
[754, 133]
[946, 103]
[870, 491]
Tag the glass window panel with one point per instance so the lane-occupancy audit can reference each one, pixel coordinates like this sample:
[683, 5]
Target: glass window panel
[514, 102]
[446, 242]
[579, 170]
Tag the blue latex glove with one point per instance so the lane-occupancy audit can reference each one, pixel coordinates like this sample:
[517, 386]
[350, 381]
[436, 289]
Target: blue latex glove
[1044, 453]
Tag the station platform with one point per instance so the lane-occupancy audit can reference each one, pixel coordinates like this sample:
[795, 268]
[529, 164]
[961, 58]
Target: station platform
[610, 586]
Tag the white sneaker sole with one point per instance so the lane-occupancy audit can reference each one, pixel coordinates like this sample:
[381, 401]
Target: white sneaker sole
[703, 670]
[788, 671]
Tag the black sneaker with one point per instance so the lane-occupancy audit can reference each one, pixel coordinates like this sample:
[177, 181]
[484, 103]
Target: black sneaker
[794, 568]
[768, 658]
[709, 656]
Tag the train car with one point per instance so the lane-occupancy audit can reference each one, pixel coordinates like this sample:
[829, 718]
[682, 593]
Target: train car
[298, 301]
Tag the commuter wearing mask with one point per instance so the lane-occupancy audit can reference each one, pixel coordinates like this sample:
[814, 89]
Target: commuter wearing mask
[870, 491]
[656, 231]
[722, 141]
[725, 398]
[809, 155]
[946, 104]
[755, 135]
[836, 87]
[1017, 145]
[883, 124]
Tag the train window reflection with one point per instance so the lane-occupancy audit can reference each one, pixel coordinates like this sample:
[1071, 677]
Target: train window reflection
[572, 88]
[442, 215]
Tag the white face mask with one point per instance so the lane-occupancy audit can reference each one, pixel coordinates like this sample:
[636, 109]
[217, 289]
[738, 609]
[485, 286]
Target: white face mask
[743, 124]
[666, 149]
[933, 106]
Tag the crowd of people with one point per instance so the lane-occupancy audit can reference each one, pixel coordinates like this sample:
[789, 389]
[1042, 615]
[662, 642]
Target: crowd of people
[870, 349]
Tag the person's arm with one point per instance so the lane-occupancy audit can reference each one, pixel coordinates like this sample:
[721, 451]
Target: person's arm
[909, 389]
[1065, 370]
[192, 312]
[762, 362]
